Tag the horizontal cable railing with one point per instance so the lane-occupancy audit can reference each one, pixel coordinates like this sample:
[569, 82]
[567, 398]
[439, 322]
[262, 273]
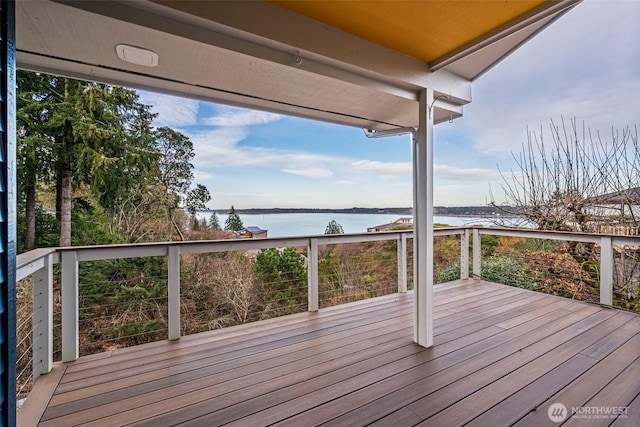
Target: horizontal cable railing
[354, 271]
[95, 298]
[122, 302]
[24, 337]
[576, 265]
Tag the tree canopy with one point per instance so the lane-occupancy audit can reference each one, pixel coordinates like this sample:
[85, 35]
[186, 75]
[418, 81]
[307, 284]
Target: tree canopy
[233, 222]
[333, 227]
[89, 152]
[214, 222]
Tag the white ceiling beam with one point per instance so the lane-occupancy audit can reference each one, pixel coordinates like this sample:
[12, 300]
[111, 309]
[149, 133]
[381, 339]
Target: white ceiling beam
[55, 66]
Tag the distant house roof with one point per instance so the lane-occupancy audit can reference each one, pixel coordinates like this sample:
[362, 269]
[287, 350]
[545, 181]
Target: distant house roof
[630, 196]
[255, 230]
[400, 223]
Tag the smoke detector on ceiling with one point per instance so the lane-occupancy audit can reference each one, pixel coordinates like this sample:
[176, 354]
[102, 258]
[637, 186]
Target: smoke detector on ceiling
[136, 55]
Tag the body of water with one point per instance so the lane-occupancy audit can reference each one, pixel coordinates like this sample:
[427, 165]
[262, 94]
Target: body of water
[308, 224]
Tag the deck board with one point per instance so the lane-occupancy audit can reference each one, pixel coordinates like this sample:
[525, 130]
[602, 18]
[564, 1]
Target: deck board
[432, 377]
[501, 356]
[183, 361]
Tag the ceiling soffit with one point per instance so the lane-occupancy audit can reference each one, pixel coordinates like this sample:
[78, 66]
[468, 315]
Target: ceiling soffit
[251, 54]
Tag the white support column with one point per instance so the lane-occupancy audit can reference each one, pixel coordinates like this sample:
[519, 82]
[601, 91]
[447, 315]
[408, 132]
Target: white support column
[70, 307]
[464, 255]
[173, 271]
[402, 263]
[312, 275]
[606, 270]
[416, 230]
[43, 319]
[423, 222]
[477, 255]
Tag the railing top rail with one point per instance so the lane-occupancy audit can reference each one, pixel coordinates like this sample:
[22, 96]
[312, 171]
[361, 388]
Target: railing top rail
[571, 236]
[346, 236]
[449, 231]
[27, 258]
[32, 261]
[131, 250]
[541, 234]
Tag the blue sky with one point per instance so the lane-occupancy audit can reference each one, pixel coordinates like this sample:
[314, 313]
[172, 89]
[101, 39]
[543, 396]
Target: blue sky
[586, 65]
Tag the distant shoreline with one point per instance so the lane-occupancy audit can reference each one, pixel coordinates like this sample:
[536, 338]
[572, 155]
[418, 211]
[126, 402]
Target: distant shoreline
[464, 211]
[258, 211]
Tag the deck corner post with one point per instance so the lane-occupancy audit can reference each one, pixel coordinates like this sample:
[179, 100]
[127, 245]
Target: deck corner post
[464, 254]
[70, 306]
[312, 275]
[173, 272]
[477, 255]
[43, 319]
[402, 263]
[606, 270]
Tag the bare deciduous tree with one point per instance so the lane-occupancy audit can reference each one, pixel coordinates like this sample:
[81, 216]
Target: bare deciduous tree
[580, 181]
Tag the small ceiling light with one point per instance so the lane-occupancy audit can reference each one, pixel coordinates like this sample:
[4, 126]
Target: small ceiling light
[136, 55]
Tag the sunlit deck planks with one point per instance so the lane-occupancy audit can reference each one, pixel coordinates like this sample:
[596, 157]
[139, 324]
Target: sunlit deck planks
[501, 356]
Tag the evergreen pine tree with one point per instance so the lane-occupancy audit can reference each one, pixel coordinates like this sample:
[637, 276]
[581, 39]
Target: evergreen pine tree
[214, 223]
[233, 223]
[334, 227]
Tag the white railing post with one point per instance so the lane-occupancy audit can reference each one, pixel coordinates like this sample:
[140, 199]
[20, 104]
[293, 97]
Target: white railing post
[43, 319]
[70, 306]
[312, 275]
[477, 272]
[464, 254]
[402, 263]
[606, 270]
[173, 272]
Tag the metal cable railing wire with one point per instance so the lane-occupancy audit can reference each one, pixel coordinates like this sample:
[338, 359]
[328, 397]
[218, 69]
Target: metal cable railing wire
[122, 302]
[24, 336]
[354, 271]
[241, 287]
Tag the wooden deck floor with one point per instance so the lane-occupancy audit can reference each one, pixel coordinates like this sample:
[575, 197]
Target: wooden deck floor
[502, 356]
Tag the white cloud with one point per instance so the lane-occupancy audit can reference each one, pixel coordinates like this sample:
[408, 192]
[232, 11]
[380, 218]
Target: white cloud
[171, 111]
[404, 169]
[383, 168]
[220, 148]
[501, 129]
[310, 172]
[236, 117]
[199, 175]
[459, 195]
[462, 174]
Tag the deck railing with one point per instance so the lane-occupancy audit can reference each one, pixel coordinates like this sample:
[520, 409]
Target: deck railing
[605, 244]
[40, 265]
